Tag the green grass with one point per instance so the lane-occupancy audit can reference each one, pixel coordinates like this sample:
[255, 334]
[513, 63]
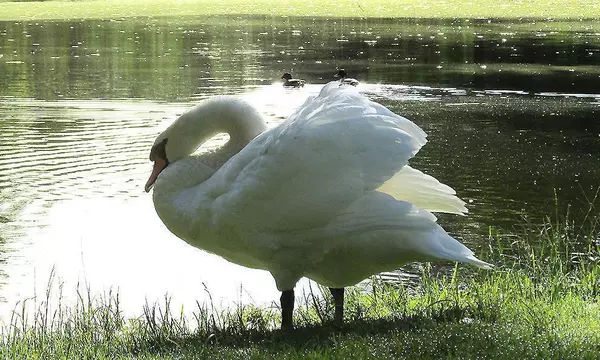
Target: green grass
[541, 302]
[101, 9]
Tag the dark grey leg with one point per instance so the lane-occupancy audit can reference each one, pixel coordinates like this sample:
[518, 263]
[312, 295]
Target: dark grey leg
[287, 309]
[338, 300]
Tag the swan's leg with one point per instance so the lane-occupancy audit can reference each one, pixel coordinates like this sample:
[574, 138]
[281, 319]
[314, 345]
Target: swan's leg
[287, 309]
[338, 300]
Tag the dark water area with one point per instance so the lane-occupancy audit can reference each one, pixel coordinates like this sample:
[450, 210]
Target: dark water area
[511, 110]
[177, 58]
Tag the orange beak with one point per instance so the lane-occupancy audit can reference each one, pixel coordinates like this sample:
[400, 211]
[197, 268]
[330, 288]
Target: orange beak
[159, 165]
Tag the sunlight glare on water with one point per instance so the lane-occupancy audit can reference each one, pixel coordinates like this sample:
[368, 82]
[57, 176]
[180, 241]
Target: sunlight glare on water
[82, 212]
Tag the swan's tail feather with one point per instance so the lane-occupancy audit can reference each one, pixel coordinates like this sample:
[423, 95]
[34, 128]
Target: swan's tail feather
[479, 263]
[451, 249]
[443, 246]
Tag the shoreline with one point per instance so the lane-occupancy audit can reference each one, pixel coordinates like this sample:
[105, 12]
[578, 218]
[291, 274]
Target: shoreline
[403, 9]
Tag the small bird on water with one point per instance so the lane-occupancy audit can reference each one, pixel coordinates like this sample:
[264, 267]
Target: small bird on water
[291, 82]
[344, 79]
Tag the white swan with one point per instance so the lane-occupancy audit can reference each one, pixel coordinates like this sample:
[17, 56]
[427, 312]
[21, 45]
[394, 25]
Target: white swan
[326, 195]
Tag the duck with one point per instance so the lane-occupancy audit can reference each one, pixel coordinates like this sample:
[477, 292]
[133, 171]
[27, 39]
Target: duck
[291, 82]
[327, 194]
[344, 79]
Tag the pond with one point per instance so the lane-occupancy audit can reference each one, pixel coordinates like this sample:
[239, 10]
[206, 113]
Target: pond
[511, 109]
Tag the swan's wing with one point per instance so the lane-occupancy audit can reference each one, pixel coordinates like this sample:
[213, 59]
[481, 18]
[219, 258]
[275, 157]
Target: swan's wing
[334, 149]
[423, 190]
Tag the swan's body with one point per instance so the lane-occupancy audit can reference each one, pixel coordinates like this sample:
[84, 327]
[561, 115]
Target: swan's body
[288, 81]
[326, 195]
[344, 79]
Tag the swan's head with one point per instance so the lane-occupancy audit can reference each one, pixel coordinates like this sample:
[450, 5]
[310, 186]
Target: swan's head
[286, 76]
[341, 74]
[158, 154]
[179, 140]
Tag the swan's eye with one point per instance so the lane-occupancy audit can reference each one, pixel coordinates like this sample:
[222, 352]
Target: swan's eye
[159, 151]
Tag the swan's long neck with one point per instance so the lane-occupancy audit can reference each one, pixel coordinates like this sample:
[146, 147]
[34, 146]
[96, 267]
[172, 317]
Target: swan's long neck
[180, 197]
[222, 114]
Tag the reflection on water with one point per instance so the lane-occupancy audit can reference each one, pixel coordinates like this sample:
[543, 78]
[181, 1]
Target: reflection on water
[178, 58]
[82, 102]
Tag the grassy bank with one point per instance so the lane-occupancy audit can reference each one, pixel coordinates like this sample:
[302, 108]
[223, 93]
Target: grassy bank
[541, 302]
[111, 9]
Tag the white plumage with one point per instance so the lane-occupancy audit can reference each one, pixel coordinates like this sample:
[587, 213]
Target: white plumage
[327, 194]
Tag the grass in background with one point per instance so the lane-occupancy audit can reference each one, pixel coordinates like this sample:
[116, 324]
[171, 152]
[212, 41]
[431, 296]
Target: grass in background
[111, 9]
[541, 302]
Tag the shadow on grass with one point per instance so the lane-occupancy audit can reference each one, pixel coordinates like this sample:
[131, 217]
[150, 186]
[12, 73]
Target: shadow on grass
[314, 334]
